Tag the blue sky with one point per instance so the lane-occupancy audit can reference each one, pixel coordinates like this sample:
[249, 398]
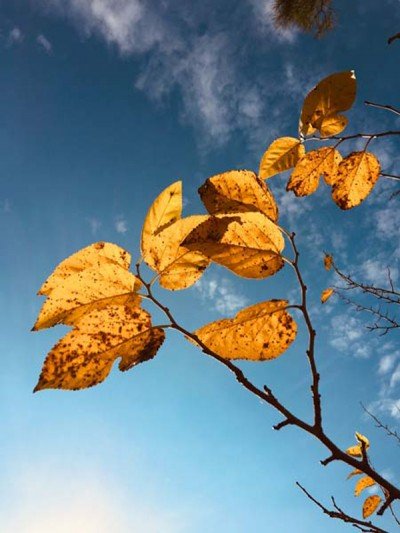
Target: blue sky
[103, 104]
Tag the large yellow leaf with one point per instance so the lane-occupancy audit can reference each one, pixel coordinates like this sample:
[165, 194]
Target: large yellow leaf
[362, 484]
[262, 331]
[333, 125]
[177, 266]
[85, 355]
[92, 278]
[238, 191]
[332, 94]
[92, 256]
[356, 177]
[281, 155]
[249, 244]
[165, 210]
[371, 504]
[304, 179]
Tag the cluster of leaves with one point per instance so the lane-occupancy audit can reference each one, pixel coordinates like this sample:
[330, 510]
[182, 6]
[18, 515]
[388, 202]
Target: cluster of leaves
[315, 16]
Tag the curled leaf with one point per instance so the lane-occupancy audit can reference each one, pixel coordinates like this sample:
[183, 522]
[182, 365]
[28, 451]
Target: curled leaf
[362, 484]
[281, 155]
[328, 261]
[354, 472]
[326, 294]
[371, 504]
[362, 439]
[262, 331]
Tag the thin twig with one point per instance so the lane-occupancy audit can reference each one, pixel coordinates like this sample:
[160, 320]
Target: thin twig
[382, 106]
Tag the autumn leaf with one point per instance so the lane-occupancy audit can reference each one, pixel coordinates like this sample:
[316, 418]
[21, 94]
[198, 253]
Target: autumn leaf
[354, 472]
[164, 211]
[281, 155]
[371, 504]
[328, 261]
[249, 244]
[333, 125]
[326, 294]
[356, 177]
[362, 439]
[262, 331]
[87, 280]
[85, 355]
[304, 179]
[330, 96]
[362, 484]
[238, 191]
[357, 450]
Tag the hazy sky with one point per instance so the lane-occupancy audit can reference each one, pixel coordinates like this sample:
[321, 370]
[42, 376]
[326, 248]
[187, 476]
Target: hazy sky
[103, 103]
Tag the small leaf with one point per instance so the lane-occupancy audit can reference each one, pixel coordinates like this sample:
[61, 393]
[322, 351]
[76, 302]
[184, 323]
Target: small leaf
[354, 472]
[326, 294]
[85, 355]
[238, 191]
[333, 125]
[249, 244]
[362, 484]
[281, 155]
[262, 331]
[332, 94]
[356, 177]
[304, 179]
[371, 504]
[328, 261]
[355, 451]
[362, 439]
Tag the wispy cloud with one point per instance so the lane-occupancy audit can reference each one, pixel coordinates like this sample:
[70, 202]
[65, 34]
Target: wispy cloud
[220, 294]
[95, 225]
[15, 36]
[44, 43]
[347, 334]
[121, 225]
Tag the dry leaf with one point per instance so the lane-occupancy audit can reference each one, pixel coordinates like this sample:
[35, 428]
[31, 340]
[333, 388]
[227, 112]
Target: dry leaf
[249, 244]
[238, 191]
[356, 177]
[333, 125]
[371, 504]
[362, 484]
[332, 94]
[304, 179]
[281, 155]
[326, 294]
[328, 261]
[262, 331]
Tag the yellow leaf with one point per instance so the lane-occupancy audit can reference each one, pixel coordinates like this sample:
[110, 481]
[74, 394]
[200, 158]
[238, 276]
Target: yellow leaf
[362, 484]
[75, 289]
[355, 451]
[92, 256]
[262, 331]
[249, 244]
[354, 472]
[371, 504]
[362, 439]
[238, 191]
[356, 177]
[178, 267]
[326, 294]
[304, 179]
[332, 94]
[333, 125]
[165, 210]
[328, 261]
[281, 155]
[85, 355]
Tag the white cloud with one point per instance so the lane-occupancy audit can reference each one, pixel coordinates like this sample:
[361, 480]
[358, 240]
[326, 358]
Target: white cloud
[121, 225]
[221, 294]
[347, 335]
[94, 224]
[44, 43]
[386, 364]
[264, 17]
[15, 36]
[395, 378]
[389, 406]
[387, 222]
[376, 273]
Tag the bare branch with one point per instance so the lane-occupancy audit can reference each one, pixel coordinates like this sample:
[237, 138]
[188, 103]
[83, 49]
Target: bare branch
[382, 106]
[379, 424]
[393, 38]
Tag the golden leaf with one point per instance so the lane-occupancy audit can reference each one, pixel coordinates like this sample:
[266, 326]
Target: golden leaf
[85, 355]
[164, 211]
[333, 125]
[304, 179]
[328, 261]
[249, 244]
[356, 177]
[262, 331]
[362, 484]
[178, 267]
[332, 94]
[238, 191]
[355, 451]
[354, 472]
[75, 288]
[371, 504]
[326, 294]
[281, 155]
[362, 439]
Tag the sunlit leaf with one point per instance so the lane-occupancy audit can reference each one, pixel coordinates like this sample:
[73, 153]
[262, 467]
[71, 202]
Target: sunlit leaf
[249, 244]
[326, 294]
[354, 472]
[362, 484]
[165, 210]
[330, 96]
[238, 191]
[328, 261]
[281, 155]
[333, 125]
[356, 177]
[85, 355]
[304, 179]
[262, 331]
[371, 504]
[362, 439]
[355, 451]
